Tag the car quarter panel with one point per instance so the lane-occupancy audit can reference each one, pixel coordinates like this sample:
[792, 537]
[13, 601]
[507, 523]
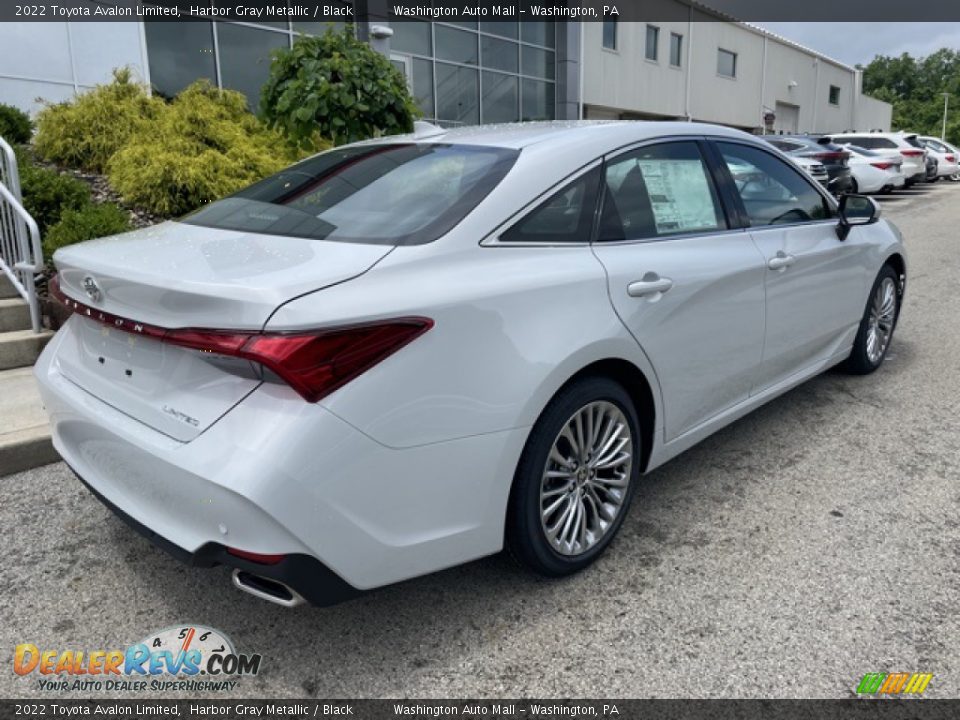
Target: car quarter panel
[518, 321]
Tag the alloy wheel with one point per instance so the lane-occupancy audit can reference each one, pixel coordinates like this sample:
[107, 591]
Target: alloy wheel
[883, 314]
[586, 478]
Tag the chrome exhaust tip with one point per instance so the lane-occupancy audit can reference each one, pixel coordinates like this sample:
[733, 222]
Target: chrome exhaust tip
[266, 589]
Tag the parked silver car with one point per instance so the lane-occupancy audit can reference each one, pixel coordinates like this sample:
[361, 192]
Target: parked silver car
[403, 354]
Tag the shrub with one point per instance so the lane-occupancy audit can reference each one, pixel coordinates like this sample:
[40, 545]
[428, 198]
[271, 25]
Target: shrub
[339, 86]
[87, 223]
[47, 194]
[15, 125]
[205, 145]
[86, 131]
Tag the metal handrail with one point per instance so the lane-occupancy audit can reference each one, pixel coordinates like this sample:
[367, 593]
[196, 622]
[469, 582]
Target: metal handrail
[21, 254]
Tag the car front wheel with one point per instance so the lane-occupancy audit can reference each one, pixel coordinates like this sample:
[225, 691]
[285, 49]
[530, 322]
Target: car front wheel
[575, 478]
[877, 325]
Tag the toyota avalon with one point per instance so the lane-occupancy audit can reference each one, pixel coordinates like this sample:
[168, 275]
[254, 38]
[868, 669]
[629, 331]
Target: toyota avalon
[407, 353]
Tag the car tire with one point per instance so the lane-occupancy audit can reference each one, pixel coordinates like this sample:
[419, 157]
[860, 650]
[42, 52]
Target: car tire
[854, 187]
[877, 325]
[593, 510]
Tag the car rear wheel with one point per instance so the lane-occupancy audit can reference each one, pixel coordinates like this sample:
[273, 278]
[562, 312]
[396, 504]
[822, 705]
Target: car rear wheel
[877, 325]
[575, 478]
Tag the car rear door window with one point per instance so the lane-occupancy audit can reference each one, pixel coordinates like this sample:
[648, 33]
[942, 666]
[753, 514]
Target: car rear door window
[658, 191]
[565, 217]
[773, 192]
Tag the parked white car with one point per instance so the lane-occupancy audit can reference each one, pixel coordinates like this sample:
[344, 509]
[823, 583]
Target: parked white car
[892, 145]
[874, 172]
[947, 157]
[403, 354]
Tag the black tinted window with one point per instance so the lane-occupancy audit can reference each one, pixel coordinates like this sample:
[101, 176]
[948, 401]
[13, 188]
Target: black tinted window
[566, 216]
[397, 194]
[657, 191]
[773, 192]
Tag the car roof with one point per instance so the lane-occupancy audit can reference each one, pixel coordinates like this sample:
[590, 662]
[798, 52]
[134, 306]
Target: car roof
[564, 132]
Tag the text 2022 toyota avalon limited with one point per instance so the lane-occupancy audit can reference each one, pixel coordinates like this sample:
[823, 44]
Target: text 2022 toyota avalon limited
[404, 354]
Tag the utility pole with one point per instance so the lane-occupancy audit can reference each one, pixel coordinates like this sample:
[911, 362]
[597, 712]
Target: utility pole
[946, 100]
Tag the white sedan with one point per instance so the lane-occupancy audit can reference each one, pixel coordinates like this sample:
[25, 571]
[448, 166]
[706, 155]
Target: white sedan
[874, 172]
[407, 353]
[948, 162]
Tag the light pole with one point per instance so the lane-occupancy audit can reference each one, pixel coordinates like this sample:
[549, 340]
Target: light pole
[946, 100]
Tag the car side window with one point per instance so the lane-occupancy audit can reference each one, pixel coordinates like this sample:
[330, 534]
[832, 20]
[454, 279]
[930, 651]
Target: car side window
[658, 191]
[773, 192]
[564, 217]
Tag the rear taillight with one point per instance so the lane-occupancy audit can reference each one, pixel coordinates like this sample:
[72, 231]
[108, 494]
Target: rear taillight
[315, 364]
[839, 156]
[312, 363]
[950, 158]
[882, 165]
[912, 153]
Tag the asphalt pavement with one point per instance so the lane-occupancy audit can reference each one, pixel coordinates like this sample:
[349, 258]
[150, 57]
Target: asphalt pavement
[812, 542]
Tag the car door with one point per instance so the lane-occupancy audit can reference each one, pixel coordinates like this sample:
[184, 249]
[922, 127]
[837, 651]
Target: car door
[815, 283]
[687, 285]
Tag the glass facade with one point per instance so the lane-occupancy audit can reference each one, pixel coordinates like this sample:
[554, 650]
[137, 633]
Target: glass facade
[478, 72]
[232, 55]
[462, 73]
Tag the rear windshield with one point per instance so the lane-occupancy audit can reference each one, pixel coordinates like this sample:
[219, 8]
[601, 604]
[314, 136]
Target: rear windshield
[389, 194]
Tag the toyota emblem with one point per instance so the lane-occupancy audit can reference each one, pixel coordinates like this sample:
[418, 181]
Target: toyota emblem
[91, 288]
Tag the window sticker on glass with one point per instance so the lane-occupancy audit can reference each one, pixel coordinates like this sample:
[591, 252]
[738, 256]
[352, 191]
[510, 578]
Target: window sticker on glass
[679, 195]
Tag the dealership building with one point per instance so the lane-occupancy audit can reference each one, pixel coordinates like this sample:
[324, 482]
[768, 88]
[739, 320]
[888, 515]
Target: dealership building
[692, 66]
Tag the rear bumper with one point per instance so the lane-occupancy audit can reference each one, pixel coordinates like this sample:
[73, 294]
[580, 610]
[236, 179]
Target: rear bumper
[310, 578]
[279, 476]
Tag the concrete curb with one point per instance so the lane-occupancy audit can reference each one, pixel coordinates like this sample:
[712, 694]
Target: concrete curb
[25, 450]
[25, 433]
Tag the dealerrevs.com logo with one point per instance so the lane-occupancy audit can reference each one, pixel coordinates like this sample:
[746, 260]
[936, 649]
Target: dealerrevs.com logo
[189, 658]
[894, 683]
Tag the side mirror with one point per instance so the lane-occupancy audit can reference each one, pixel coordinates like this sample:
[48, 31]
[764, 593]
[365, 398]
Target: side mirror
[856, 210]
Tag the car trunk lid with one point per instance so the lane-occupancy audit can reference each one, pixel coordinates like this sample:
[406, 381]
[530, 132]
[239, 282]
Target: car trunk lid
[124, 288]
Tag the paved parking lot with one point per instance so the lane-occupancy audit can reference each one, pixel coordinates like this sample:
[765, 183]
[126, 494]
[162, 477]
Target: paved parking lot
[812, 542]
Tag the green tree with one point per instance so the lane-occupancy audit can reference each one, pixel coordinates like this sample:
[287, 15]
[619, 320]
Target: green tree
[915, 87]
[337, 87]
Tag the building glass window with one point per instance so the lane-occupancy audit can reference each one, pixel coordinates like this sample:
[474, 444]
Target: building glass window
[245, 58]
[676, 49]
[653, 41]
[497, 72]
[317, 28]
[538, 33]
[423, 86]
[537, 101]
[538, 63]
[726, 63]
[501, 98]
[456, 45]
[834, 95]
[499, 54]
[503, 29]
[179, 53]
[458, 94]
[610, 34]
[412, 37]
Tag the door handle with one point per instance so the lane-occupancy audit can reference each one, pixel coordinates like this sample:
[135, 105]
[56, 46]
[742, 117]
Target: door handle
[651, 284]
[781, 261]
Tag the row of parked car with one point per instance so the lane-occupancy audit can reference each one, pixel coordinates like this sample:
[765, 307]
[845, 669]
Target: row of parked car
[871, 162]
